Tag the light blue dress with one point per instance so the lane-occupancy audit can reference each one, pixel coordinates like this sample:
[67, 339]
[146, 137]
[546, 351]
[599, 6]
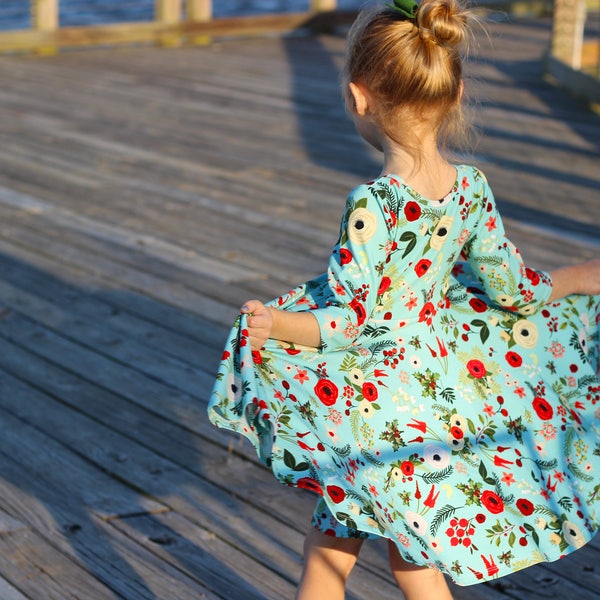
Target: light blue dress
[450, 408]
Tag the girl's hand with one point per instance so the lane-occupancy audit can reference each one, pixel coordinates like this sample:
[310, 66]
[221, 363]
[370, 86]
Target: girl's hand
[260, 323]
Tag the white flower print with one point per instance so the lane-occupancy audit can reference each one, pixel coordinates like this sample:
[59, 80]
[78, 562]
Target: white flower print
[362, 226]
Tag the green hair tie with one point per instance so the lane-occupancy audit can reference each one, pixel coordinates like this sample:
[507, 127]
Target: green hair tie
[407, 8]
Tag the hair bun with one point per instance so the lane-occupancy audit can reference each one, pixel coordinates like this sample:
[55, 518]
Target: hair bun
[442, 21]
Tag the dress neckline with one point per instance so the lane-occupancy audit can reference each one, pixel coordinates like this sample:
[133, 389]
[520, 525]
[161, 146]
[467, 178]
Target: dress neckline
[438, 202]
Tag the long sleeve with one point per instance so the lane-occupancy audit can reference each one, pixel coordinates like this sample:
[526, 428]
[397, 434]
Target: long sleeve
[498, 265]
[356, 264]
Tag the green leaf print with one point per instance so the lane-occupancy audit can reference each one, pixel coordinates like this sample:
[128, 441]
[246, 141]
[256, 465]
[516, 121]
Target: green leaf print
[290, 462]
[484, 330]
[429, 382]
[307, 412]
[546, 465]
[371, 331]
[411, 241]
[371, 459]
[516, 427]
[484, 475]
[472, 491]
[442, 515]
[579, 473]
[393, 435]
[346, 519]
[438, 476]
[342, 451]
[448, 395]
[349, 363]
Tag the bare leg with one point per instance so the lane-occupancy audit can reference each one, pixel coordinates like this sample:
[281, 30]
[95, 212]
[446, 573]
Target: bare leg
[327, 564]
[416, 582]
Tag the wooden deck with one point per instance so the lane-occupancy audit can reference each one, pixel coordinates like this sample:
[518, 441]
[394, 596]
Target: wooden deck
[144, 194]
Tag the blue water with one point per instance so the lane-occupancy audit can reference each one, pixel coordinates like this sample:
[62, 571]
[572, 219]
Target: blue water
[15, 14]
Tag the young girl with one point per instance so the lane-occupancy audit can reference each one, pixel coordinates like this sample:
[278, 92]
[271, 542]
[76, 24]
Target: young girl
[429, 387]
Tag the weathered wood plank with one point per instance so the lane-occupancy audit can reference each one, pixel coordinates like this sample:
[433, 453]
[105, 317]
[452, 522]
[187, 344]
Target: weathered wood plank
[103, 562]
[80, 480]
[203, 555]
[35, 569]
[8, 592]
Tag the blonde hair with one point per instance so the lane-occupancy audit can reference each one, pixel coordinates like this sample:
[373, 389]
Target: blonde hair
[413, 68]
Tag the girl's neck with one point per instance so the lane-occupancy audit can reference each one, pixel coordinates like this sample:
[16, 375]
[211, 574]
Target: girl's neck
[429, 174]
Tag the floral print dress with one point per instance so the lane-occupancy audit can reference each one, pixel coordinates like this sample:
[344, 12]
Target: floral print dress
[449, 407]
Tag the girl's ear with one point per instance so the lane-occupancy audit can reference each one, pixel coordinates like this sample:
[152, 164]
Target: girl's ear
[359, 99]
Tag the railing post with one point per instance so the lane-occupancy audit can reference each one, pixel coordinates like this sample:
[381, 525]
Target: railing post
[168, 12]
[44, 18]
[198, 11]
[323, 5]
[567, 31]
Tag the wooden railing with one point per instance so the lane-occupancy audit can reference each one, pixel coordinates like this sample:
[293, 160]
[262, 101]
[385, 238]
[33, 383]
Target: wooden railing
[175, 22]
[574, 58]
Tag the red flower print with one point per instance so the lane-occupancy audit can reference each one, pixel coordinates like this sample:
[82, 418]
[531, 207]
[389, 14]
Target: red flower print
[308, 483]
[480, 518]
[256, 357]
[542, 408]
[359, 309]
[422, 267]
[476, 368]
[345, 256]
[336, 493]
[492, 502]
[412, 211]
[407, 468]
[369, 391]
[491, 224]
[457, 433]
[420, 425]
[427, 312]
[525, 506]
[513, 359]
[326, 391]
[292, 351]
[226, 355]
[478, 305]
[532, 275]
[502, 462]
[304, 446]
[431, 497]
[384, 285]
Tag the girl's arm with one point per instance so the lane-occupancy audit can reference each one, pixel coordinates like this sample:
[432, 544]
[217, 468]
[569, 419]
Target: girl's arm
[352, 279]
[582, 278]
[266, 322]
